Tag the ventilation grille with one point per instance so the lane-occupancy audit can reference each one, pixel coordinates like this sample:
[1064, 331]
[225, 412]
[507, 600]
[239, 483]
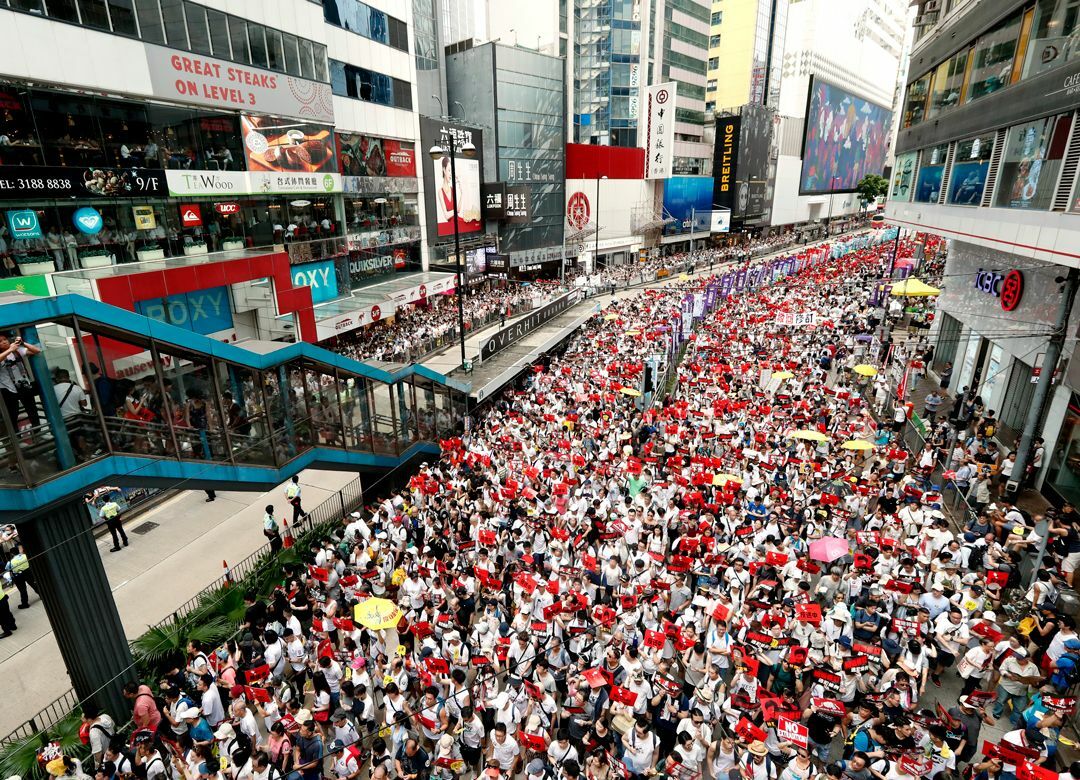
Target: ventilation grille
[1068, 170]
[948, 173]
[995, 166]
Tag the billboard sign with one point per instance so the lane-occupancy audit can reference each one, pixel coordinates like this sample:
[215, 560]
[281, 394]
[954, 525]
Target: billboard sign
[494, 200]
[366, 155]
[206, 81]
[203, 311]
[438, 179]
[659, 126]
[30, 182]
[726, 161]
[753, 160]
[321, 277]
[518, 205]
[847, 137]
[689, 200]
[287, 146]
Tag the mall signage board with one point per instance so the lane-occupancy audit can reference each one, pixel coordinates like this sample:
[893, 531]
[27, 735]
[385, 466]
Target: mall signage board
[354, 320]
[207, 81]
[232, 183]
[40, 182]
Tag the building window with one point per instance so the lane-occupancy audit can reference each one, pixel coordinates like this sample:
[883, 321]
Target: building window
[714, 63]
[915, 105]
[992, 65]
[717, 17]
[711, 86]
[1030, 165]
[368, 22]
[970, 166]
[1053, 36]
[714, 41]
[197, 28]
[948, 83]
[369, 86]
[928, 188]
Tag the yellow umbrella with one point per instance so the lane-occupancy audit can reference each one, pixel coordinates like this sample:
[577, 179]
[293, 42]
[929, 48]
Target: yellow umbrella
[632, 333]
[630, 392]
[723, 479]
[913, 288]
[684, 277]
[864, 369]
[783, 375]
[857, 444]
[817, 436]
[377, 613]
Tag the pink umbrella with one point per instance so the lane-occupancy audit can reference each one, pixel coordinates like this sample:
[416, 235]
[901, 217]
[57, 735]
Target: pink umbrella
[828, 549]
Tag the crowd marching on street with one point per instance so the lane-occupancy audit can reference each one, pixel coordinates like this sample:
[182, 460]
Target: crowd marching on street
[750, 580]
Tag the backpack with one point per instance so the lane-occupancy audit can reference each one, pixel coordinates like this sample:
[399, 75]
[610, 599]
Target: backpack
[1064, 679]
[976, 553]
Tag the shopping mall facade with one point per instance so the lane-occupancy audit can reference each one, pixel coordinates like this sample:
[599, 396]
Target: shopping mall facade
[988, 157]
[180, 149]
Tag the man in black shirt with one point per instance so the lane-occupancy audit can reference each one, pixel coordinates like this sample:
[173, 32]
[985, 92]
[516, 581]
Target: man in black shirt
[411, 761]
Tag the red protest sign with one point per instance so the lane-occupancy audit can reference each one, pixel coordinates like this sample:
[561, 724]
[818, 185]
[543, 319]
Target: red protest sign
[623, 695]
[749, 731]
[793, 732]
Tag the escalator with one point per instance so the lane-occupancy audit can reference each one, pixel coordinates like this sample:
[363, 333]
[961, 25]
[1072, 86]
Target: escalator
[100, 395]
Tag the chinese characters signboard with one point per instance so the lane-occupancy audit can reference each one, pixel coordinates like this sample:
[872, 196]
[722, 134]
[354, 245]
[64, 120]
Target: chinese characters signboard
[659, 125]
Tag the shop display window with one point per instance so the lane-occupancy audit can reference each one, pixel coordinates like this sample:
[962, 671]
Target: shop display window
[1030, 165]
[948, 83]
[1053, 40]
[971, 165]
[994, 53]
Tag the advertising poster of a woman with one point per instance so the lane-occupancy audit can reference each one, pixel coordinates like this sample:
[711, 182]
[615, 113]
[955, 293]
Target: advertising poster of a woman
[468, 195]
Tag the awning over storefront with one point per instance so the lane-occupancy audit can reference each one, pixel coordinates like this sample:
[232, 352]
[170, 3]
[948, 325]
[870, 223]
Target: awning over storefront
[373, 302]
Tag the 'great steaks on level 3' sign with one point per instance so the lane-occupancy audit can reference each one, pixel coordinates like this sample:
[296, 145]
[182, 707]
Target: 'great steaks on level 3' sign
[206, 81]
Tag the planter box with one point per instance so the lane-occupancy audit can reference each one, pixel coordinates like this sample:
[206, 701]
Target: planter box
[231, 245]
[97, 261]
[150, 254]
[195, 249]
[33, 269]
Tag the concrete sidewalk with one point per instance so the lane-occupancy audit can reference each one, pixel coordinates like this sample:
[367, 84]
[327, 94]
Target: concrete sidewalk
[164, 566]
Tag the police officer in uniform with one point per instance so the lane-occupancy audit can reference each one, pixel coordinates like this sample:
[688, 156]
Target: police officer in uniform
[19, 565]
[110, 511]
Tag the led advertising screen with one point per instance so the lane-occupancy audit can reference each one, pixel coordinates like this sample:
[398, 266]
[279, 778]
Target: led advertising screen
[438, 178]
[846, 138]
[753, 169]
[689, 198]
[366, 155]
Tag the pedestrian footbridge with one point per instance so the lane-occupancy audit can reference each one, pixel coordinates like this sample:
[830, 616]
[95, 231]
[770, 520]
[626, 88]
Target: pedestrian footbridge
[101, 395]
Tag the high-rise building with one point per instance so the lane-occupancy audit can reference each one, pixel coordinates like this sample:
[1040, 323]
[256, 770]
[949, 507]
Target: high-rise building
[839, 58]
[746, 51]
[987, 156]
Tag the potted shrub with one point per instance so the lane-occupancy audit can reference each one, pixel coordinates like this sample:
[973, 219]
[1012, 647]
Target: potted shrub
[31, 265]
[149, 250]
[194, 246]
[231, 244]
[98, 257]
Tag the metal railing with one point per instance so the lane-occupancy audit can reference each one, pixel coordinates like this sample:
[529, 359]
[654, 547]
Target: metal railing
[338, 506]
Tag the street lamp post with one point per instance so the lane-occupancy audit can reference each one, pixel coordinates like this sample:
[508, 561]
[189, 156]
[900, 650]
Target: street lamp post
[468, 149]
[596, 244]
[828, 222]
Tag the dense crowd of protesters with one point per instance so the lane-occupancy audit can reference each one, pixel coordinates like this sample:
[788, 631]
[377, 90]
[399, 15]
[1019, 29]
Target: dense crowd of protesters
[753, 580]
